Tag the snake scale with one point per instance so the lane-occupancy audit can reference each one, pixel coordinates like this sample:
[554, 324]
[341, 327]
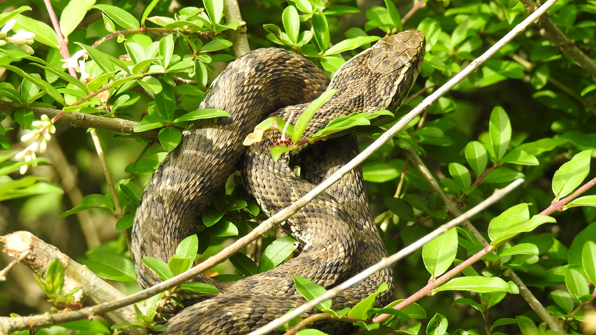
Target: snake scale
[336, 231]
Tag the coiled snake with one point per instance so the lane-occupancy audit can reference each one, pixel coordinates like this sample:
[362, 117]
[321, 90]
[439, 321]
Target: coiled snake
[336, 231]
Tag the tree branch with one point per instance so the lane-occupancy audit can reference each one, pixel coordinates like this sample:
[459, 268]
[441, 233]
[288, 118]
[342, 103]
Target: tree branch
[389, 261]
[238, 37]
[555, 35]
[94, 289]
[83, 120]
[454, 210]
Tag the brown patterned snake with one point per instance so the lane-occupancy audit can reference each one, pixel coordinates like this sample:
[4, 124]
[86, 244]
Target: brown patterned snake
[336, 231]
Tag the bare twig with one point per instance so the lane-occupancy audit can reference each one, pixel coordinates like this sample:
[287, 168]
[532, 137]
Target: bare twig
[119, 213]
[12, 264]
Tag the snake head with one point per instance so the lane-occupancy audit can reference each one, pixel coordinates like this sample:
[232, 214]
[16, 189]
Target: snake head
[381, 77]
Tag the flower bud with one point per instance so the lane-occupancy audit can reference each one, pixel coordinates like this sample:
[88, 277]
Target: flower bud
[15, 40]
[20, 155]
[24, 169]
[2, 42]
[8, 26]
[27, 137]
[47, 136]
[27, 49]
[43, 146]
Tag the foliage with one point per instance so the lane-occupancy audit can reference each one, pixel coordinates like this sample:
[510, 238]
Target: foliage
[528, 112]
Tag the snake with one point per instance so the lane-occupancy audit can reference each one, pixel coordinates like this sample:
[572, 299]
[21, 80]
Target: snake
[335, 233]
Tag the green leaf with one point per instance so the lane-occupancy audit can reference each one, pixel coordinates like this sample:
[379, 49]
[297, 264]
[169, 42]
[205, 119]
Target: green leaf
[166, 50]
[520, 320]
[400, 208]
[587, 200]
[5, 17]
[475, 284]
[378, 172]
[44, 85]
[438, 324]
[125, 222]
[207, 113]
[101, 58]
[88, 326]
[571, 174]
[211, 217]
[24, 117]
[516, 229]
[520, 249]
[350, 44]
[589, 260]
[460, 174]
[244, 264]
[178, 265]
[512, 217]
[563, 299]
[201, 288]
[73, 14]
[577, 285]
[291, 22]
[43, 33]
[165, 102]
[499, 129]
[216, 45]
[502, 175]
[310, 290]
[88, 202]
[439, 253]
[157, 265]
[223, 228]
[54, 276]
[308, 113]
[471, 302]
[520, 157]
[151, 84]
[66, 77]
[346, 122]
[360, 311]
[148, 11]
[214, 9]
[120, 16]
[188, 247]
[321, 30]
[111, 266]
[394, 15]
[276, 253]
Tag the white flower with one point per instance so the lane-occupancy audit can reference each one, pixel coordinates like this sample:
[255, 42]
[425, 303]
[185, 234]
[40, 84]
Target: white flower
[40, 137]
[84, 74]
[74, 60]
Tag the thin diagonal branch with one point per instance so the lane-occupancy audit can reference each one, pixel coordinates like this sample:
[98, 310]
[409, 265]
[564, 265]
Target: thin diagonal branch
[555, 35]
[454, 210]
[389, 261]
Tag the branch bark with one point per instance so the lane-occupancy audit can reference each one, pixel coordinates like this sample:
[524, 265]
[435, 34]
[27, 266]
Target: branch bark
[94, 289]
[555, 35]
[83, 120]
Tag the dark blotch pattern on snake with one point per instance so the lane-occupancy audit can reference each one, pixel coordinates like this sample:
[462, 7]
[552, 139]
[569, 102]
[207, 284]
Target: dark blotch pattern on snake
[336, 231]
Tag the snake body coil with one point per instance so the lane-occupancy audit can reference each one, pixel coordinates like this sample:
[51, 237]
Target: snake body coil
[336, 231]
